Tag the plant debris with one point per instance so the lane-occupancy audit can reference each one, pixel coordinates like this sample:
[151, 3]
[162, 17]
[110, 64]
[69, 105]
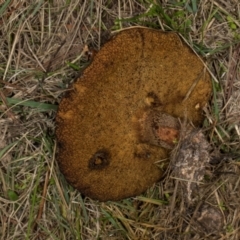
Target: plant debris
[189, 161]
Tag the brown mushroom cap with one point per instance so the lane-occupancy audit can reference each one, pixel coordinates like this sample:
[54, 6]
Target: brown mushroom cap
[99, 151]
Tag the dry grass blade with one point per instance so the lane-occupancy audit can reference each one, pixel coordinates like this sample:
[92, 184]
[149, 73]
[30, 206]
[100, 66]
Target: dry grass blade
[9, 113]
[43, 200]
[233, 72]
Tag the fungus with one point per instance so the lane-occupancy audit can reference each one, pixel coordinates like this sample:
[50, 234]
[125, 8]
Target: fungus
[119, 120]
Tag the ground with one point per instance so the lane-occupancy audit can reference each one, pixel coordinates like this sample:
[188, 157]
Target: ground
[42, 50]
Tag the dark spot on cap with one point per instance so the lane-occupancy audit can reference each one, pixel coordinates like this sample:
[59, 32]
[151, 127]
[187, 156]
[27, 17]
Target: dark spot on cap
[99, 160]
[153, 100]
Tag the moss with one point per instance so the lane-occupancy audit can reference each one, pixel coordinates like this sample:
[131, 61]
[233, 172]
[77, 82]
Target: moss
[137, 68]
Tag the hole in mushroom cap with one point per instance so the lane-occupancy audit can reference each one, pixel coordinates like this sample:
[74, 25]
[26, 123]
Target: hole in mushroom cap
[152, 100]
[99, 160]
[169, 135]
[157, 128]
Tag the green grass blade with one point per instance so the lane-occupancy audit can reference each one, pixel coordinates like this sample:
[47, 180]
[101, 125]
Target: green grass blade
[5, 149]
[4, 7]
[33, 104]
[153, 201]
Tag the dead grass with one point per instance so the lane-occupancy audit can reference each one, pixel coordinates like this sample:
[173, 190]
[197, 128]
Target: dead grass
[41, 46]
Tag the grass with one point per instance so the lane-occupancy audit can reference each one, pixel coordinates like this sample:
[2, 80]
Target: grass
[41, 52]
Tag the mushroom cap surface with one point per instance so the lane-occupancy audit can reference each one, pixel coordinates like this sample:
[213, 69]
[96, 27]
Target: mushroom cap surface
[99, 151]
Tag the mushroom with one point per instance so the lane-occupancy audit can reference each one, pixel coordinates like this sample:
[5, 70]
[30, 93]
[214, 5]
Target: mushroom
[118, 122]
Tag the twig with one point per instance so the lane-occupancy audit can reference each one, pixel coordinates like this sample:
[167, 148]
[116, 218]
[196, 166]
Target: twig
[43, 200]
[8, 112]
[194, 84]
